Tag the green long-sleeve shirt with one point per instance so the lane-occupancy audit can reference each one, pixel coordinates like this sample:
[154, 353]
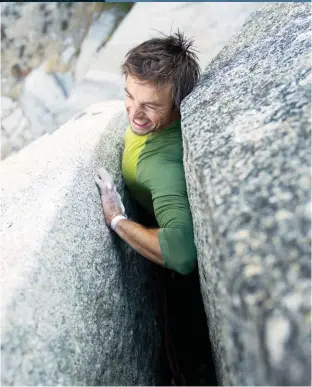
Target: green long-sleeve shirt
[152, 168]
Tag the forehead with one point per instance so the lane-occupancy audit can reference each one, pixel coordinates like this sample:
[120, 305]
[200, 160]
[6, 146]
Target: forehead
[146, 91]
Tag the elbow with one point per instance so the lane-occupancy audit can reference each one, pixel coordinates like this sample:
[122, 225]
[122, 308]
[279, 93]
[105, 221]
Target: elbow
[185, 265]
[185, 268]
[178, 250]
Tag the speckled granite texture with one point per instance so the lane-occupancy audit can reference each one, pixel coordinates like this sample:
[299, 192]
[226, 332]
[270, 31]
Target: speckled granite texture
[247, 157]
[77, 306]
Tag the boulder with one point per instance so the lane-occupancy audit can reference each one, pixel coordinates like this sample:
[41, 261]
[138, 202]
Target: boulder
[78, 306]
[247, 153]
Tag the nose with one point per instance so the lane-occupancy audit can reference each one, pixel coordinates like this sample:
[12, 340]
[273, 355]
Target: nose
[136, 108]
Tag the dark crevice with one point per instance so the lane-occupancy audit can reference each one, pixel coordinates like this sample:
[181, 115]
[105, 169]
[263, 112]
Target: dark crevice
[187, 331]
[186, 357]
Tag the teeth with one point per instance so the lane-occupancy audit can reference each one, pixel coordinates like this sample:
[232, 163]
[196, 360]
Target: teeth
[141, 123]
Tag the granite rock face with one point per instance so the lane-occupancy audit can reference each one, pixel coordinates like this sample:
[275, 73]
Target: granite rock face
[51, 45]
[34, 32]
[78, 306]
[247, 129]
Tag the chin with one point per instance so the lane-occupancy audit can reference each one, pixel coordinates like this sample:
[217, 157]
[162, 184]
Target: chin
[141, 131]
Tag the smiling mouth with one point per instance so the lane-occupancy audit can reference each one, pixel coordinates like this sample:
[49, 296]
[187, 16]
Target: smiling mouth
[141, 123]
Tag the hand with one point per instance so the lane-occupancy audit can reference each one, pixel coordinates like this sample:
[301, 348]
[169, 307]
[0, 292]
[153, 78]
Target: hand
[111, 200]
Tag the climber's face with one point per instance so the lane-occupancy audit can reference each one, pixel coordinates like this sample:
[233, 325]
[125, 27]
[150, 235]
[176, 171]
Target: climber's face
[149, 107]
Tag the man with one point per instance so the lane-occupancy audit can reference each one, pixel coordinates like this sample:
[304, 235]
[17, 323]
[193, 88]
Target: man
[159, 74]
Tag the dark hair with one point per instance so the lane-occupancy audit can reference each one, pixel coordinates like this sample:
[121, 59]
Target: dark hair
[163, 61]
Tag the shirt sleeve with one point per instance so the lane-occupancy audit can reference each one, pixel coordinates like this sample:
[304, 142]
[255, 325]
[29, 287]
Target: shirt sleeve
[176, 236]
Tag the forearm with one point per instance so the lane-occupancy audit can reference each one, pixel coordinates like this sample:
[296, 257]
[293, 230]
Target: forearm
[143, 240]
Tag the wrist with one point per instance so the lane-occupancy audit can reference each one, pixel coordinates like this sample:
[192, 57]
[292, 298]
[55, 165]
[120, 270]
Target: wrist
[116, 219]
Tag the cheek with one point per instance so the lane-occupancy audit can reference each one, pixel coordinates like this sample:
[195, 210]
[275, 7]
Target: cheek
[159, 117]
[154, 116]
[128, 107]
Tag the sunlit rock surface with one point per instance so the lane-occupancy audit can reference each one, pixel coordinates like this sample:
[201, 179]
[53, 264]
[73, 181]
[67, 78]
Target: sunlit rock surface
[78, 306]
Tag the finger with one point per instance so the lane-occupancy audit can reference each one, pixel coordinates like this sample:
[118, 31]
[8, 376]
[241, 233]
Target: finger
[104, 175]
[110, 186]
[106, 186]
[102, 185]
[102, 170]
[99, 182]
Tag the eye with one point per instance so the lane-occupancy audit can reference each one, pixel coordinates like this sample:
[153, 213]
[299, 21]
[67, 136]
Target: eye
[129, 96]
[151, 107]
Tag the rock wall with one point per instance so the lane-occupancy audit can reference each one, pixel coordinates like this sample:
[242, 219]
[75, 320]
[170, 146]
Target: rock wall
[46, 50]
[78, 307]
[34, 32]
[247, 130]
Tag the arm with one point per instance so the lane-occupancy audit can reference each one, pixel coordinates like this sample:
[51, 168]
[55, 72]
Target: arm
[176, 235]
[143, 240]
[172, 245]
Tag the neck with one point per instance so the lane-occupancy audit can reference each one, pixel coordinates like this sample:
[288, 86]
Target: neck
[175, 116]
